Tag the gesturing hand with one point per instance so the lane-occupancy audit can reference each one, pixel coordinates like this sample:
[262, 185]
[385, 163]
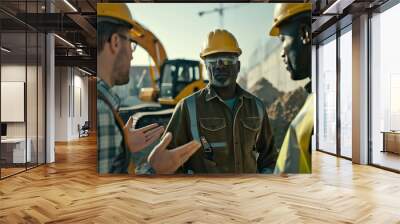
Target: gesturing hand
[138, 139]
[165, 161]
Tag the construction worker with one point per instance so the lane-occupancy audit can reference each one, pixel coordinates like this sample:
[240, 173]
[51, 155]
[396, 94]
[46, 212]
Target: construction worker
[231, 124]
[116, 140]
[292, 24]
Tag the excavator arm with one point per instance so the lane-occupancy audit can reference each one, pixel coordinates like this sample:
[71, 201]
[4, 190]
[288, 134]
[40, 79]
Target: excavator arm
[180, 86]
[153, 46]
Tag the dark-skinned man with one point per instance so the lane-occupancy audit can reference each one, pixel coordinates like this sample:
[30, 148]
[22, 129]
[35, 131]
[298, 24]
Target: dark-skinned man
[117, 141]
[292, 24]
[231, 124]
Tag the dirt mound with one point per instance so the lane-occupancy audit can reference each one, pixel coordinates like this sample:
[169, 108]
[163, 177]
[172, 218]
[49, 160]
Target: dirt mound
[265, 91]
[282, 107]
[284, 110]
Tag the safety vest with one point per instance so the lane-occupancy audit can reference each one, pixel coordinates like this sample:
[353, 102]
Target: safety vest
[295, 153]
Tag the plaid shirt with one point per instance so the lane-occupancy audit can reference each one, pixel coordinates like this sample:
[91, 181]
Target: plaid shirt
[112, 155]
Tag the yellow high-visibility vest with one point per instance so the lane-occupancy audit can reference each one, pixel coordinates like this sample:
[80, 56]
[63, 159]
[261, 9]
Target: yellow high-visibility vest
[295, 156]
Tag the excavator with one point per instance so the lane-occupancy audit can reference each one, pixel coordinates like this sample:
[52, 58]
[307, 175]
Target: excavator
[171, 81]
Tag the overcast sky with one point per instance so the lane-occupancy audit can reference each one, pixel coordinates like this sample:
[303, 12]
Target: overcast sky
[182, 31]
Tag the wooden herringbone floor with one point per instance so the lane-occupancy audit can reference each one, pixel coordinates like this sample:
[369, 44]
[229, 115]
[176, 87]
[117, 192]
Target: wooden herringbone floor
[70, 191]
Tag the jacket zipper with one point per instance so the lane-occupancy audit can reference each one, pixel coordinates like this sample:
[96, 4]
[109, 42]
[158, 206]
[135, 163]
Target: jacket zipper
[233, 132]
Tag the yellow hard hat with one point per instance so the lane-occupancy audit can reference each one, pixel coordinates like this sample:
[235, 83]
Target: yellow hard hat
[284, 11]
[220, 41]
[120, 12]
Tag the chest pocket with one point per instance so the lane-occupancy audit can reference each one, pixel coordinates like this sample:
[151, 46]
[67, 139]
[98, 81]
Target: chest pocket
[251, 123]
[215, 132]
[251, 129]
[212, 124]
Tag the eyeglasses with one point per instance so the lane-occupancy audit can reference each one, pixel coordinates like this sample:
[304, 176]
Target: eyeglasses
[133, 43]
[224, 60]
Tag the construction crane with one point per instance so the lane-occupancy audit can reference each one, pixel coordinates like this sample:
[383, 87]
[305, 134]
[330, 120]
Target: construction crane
[220, 10]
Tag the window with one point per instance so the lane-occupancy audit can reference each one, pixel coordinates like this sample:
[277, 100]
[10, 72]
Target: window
[185, 74]
[346, 93]
[327, 95]
[22, 68]
[385, 88]
[166, 85]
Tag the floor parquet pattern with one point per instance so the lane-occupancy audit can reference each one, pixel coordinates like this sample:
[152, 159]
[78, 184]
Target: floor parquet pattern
[70, 191]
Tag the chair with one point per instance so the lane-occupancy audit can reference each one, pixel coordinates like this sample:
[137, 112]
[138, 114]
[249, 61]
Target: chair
[84, 130]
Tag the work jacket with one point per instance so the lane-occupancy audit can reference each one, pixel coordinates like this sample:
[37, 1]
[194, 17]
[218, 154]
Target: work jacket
[233, 141]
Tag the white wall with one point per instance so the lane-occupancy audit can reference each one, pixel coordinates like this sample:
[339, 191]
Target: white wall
[69, 85]
[13, 101]
[33, 127]
[14, 73]
[62, 81]
[50, 96]
[79, 117]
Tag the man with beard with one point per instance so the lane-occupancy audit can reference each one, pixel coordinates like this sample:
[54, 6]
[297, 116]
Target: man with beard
[117, 141]
[231, 124]
[292, 24]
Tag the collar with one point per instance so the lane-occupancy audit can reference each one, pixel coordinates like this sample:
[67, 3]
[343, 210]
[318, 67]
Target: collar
[105, 91]
[211, 93]
[308, 87]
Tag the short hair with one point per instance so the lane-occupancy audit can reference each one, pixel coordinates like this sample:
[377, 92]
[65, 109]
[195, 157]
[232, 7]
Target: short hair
[106, 27]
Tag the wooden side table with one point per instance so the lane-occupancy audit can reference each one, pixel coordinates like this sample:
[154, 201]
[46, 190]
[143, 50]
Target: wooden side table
[391, 141]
